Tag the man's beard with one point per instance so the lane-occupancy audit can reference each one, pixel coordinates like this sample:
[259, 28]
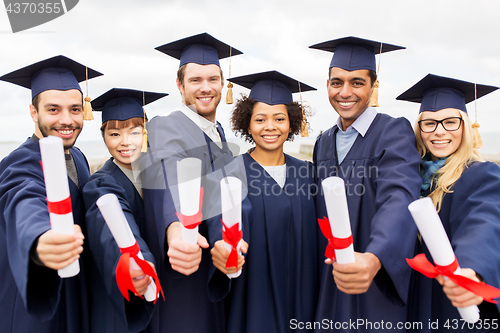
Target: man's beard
[45, 134]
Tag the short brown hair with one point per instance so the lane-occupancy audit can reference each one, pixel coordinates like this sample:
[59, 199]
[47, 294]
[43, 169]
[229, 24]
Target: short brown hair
[182, 69]
[242, 114]
[119, 124]
[371, 74]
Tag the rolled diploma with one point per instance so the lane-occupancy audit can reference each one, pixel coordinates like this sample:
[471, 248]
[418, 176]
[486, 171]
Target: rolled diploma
[338, 215]
[230, 191]
[189, 183]
[431, 228]
[120, 229]
[56, 185]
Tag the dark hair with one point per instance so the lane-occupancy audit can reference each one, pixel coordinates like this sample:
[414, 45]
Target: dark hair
[242, 114]
[182, 69]
[371, 74]
[119, 124]
[35, 101]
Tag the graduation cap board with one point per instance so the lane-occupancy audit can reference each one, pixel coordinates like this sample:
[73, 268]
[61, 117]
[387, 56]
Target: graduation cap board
[271, 87]
[435, 93]
[56, 73]
[123, 104]
[201, 49]
[353, 53]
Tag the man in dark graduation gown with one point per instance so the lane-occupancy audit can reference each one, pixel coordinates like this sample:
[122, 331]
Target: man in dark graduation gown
[34, 297]
[190, 132]
[110, 311]
[375, 155]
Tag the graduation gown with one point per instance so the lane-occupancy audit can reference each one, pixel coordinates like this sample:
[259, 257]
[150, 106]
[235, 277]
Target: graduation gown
[471, 218]
[34, 298]
[382, 178]
[110, 311]
[279, 281]
[187, 307]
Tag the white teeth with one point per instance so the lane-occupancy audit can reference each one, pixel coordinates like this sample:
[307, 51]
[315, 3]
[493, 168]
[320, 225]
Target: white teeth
[440, 141]
[270, 136]
[205, 99]
[346, 104]
[65, 132]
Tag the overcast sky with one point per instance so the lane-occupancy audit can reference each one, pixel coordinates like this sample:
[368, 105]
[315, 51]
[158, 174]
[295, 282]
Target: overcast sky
[456, 38]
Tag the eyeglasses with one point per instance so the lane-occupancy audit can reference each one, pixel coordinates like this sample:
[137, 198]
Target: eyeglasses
[449, 124]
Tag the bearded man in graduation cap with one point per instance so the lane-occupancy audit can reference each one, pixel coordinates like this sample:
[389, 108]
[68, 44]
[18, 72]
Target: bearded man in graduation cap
[34, 297]
[192, 131]
[375, 155]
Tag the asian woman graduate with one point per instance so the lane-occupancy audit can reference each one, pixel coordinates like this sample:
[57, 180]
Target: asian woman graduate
[122, 129]
[466, 193]
[278, 286]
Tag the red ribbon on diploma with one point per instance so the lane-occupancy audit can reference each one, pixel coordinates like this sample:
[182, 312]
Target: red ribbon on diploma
[334, 243]
[232, 236]
[422, 265]
[192, 221]
[123, 278]
[60, 207]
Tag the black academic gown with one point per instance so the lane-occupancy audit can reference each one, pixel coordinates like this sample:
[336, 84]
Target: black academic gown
[471, 218]
[110, 311]
[382, 178]
[187, 307]
[278, 287]
[34, 298]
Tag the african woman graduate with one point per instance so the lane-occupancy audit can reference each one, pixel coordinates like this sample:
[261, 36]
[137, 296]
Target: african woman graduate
[278, 284]
[466, 193]
[122, 128]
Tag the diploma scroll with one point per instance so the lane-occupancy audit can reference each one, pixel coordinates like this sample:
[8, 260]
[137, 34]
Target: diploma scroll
[230, 188]
[58, 197]
[120, 229]
[339, 234]
[190, 197]
[431, 228]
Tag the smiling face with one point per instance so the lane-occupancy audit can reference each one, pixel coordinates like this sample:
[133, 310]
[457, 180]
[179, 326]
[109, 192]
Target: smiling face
[202, 88]
[59, 113]
[269, 126]
[441, 143]
[124, 144]
[349, 93]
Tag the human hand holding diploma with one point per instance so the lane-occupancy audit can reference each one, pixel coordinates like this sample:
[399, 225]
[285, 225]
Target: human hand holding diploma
[58, 197]
[432, 231]
[337, 227]
[190, 197]
[131, 258]
[231, 221]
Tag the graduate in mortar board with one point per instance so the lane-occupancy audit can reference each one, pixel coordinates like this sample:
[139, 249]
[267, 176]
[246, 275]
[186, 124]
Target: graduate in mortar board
[279, 282]
[375, 155]
[34, 297]
[466, 192]
[123, 124]
[190, 132]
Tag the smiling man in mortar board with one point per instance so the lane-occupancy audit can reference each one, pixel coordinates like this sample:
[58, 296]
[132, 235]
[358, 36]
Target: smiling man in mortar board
[34, 297]
[375, 155]
[190, 132]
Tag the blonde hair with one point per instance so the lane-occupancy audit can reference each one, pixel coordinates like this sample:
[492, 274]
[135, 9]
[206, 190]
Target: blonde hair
[456, 163]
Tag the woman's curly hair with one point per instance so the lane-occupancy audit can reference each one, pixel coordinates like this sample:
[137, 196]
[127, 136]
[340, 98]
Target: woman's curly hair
[242, 114]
